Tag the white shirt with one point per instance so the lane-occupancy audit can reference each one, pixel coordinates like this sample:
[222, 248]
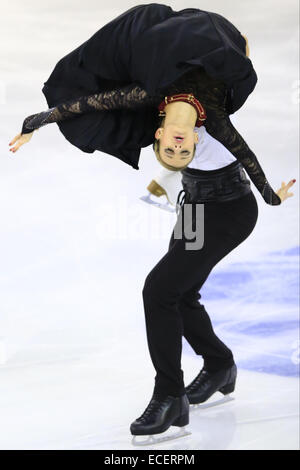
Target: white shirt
[210, 153]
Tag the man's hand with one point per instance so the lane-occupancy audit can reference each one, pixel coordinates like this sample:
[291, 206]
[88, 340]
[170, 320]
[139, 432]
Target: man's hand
[20, 139]
[283, 191]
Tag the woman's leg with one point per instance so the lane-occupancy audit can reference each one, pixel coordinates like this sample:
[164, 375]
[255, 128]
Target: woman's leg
[226, 225]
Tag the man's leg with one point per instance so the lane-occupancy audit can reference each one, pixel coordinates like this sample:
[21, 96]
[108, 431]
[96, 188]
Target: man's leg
[198, 329]
[173, 276]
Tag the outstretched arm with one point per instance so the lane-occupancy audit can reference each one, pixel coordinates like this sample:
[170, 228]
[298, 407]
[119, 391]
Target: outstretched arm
[221, 128]
[128, 97]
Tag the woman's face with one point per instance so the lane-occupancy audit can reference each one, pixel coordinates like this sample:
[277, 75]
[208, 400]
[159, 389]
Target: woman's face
[176, 145]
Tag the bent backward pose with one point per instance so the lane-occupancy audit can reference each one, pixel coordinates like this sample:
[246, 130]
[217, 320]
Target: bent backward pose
[175, 73]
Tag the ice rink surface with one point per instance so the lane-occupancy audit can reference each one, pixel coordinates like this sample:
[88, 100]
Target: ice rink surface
[77, 244]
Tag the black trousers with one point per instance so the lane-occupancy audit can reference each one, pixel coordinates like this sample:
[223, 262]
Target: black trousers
[171, 292]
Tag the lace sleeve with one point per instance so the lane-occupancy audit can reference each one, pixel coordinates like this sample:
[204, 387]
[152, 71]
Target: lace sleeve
[221, 128]
[214, 96]
[129, 97]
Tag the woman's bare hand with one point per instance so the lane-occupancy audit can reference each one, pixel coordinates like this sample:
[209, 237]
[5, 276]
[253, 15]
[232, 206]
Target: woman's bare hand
[19, 140]
[283, 191]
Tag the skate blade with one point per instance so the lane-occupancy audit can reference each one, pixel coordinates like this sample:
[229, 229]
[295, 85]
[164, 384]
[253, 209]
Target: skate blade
[203, 406]
[157, 438]
[167, 206]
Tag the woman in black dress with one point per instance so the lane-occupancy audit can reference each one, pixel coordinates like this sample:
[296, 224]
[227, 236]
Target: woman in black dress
[171, 291]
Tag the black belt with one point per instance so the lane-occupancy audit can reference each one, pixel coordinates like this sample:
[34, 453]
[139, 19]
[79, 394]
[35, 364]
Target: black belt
[220, 185]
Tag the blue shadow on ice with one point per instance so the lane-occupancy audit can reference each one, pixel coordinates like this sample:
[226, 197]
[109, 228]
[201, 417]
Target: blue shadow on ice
[271, 284]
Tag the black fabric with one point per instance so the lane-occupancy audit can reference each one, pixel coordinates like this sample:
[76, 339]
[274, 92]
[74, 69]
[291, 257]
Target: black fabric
[212, 93]
[150, 45]
[128, 97]
[153, 45]
[171, 293]
[118, 133]
[222, 184]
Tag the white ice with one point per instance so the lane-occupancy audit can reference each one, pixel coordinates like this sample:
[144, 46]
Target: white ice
[77, 244]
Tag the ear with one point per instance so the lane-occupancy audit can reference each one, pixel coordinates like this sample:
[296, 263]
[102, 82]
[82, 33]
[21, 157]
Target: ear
[158, 133]
[196, 137]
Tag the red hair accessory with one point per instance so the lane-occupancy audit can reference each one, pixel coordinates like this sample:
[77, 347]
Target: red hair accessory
[187, 98]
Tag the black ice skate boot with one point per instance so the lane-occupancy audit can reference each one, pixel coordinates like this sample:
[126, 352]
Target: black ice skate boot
[207, 383]
[160, 414]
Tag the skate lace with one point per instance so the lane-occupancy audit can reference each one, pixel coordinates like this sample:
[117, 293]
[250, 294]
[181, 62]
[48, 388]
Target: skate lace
[201, 378]
[154, 407]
